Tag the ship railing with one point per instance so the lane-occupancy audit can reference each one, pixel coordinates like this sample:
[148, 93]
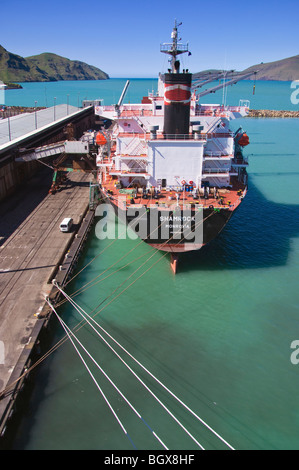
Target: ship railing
[206, 112]
[127, 113]
[127, 110]
[199, 204]
[100, 109]
[165, 47]
[236, 109]
[181, 137]
[219, 135]
[134, 170]
[190, 136]
[212, 155]
[219, 110]
[185, 206]
[209, 171]
[154, 94]
[130, 172]
[240, 161]
[162, 136]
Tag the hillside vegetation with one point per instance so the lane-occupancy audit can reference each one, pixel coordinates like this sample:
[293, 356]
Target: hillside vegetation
[282, 70]
[45, 67]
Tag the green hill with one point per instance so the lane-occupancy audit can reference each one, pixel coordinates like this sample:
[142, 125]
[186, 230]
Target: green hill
[45, 67]
[60, 68]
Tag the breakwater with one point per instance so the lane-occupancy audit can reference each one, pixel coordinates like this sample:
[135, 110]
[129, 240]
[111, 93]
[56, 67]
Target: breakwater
[269, 113]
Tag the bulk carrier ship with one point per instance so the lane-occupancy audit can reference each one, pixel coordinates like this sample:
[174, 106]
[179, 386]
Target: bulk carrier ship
[170, 166]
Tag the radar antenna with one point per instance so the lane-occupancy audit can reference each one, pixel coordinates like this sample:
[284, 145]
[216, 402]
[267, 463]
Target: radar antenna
[174, 48]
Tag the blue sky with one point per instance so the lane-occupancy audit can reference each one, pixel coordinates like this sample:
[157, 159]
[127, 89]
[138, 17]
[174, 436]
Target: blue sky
[123, 37]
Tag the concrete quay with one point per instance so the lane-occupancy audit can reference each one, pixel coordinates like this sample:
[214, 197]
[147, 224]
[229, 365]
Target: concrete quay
[32, 253]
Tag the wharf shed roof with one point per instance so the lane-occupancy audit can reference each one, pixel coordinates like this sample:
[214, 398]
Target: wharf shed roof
[16, 127]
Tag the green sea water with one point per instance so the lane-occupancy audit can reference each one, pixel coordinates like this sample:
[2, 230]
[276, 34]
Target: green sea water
[218, 334]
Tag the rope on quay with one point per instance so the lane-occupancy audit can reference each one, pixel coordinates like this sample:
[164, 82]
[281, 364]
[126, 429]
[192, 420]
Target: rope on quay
[69, 334]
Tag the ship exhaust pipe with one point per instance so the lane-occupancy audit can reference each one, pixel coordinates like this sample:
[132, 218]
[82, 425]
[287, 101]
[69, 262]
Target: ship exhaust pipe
[177, 97]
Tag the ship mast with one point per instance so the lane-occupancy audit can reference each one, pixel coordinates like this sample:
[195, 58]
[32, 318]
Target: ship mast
[177, 90]
[174, 49]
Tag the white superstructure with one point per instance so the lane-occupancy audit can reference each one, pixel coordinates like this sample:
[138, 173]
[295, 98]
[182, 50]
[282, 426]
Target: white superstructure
[144, 153]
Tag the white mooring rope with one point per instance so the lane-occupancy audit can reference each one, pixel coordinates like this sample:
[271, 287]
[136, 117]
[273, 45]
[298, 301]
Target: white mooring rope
[81, 311]
[69, 332]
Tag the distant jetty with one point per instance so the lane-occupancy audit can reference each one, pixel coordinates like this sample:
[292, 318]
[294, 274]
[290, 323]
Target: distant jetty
[268, 113]
[13, 86]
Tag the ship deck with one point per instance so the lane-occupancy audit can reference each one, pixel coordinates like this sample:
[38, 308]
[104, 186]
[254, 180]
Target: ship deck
[228, 198]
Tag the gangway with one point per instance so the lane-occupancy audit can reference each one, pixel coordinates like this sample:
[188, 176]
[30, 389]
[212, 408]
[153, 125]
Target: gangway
[66, 147]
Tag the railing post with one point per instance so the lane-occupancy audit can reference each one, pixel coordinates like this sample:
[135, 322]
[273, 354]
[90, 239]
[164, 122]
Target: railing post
[9, 130]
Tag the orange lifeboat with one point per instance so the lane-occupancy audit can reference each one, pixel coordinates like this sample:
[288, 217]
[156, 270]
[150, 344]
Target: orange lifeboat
[101, 139]
[244, 140]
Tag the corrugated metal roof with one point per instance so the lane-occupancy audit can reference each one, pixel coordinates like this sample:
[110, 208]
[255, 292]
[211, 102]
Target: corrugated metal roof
[22, 124]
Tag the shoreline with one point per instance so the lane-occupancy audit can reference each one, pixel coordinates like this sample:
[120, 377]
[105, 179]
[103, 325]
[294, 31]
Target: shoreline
[253, 113]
